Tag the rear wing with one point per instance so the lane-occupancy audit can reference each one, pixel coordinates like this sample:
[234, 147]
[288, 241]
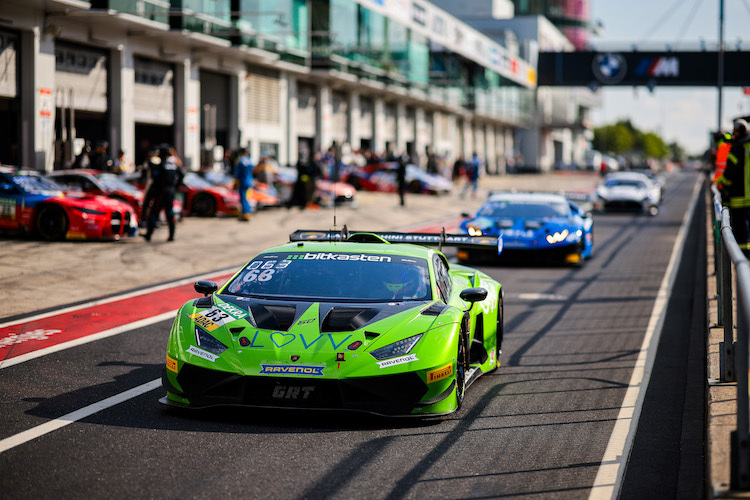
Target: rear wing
[428, 239]
[583, 200]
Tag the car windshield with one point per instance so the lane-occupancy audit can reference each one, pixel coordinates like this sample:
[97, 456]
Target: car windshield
[532, 210]
[36, 183]
[193, 180]
[625, 183]
[335, 276]
[113, 183]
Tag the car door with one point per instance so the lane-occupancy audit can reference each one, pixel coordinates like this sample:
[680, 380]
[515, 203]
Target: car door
[11, 204]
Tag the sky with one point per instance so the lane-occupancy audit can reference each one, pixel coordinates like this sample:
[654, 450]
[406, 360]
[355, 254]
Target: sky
[685, 115]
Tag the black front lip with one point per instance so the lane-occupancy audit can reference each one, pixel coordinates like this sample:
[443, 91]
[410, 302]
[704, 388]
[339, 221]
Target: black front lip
[388, 395]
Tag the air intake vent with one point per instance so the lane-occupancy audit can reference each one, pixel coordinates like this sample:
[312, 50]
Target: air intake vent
[347, 319]
[435, 309]
[273, 317]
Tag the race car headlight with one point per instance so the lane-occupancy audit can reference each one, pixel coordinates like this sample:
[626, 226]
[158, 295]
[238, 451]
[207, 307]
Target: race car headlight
[557, 237]
[474, 231]
[89, 211]
[574, 237]
[400, 348]
[207, 342]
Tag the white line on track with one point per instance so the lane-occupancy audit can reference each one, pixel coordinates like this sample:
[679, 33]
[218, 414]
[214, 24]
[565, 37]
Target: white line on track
[612, 468]
[536, 296]
[88, 338]
[40, 430]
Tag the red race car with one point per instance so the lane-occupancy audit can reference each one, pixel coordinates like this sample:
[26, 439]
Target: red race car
[105, 184]
[30, 202]
[206, 200]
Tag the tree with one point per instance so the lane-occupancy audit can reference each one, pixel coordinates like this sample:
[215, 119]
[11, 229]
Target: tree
[622, 138]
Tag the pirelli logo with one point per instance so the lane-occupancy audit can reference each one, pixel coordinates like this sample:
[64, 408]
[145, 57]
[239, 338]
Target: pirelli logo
[171, 364]
[440, 373]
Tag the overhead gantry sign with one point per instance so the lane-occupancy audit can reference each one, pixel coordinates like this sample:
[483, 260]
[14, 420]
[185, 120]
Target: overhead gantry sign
[595, 69]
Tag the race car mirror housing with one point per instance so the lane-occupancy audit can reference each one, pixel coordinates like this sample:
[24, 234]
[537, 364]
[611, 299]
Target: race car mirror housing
[473, 295]
[205, 287]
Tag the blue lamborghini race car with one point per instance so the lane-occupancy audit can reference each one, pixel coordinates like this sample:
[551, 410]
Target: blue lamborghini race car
[531, 226]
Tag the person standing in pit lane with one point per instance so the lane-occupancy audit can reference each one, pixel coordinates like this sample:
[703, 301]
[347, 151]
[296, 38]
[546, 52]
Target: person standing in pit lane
[166, 177]
[734, 185]
[243, 177]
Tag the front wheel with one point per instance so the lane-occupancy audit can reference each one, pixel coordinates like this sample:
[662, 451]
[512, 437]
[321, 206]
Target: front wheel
[462, 363]
[499, 333]
[52, 223]
[203, 205]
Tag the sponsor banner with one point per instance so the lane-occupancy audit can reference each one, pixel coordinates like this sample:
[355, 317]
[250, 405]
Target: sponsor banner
[440, 373]
[203, 354]
[397, 361]
[171, 364]
[309, 370]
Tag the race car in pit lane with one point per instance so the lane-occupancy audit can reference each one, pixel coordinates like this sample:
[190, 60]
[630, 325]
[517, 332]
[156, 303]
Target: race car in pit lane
[362, 321]
[629, 191]
[105, 184]
[30, 202]
[530, 226]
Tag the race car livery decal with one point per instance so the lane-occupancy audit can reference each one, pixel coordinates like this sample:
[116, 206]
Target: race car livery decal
[340, 256]
[7, 208]
[517, 233]
[202, 354]
[282, 339]
[213, 318]
[397, 361]
[204, 322]
[234, 311]
[171, 364]
[292, 392]
[440, 373]
[311, 370]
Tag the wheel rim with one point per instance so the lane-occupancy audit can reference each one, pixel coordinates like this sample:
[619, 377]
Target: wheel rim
[203, 206]
[460, 371]
[52, 223]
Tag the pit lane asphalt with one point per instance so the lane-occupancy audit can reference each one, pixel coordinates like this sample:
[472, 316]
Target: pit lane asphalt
[37, 275]
[537, 427]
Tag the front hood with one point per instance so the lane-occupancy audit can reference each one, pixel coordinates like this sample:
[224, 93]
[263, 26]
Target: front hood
[255, 337]
[97, 202]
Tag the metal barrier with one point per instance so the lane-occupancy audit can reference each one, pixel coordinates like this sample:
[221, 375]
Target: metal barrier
[734, 354]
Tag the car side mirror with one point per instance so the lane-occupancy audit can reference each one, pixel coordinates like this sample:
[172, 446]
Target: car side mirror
[465, 215]
[205, 287]
[473, 295]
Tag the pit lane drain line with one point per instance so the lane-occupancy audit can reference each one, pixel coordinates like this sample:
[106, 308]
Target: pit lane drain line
[58, 423]
[612, 467]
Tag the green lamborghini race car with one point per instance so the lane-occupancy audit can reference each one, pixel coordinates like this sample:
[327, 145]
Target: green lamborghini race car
[373, 322]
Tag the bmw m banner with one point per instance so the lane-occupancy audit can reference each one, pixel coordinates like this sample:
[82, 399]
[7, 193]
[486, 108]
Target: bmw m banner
[595, 69]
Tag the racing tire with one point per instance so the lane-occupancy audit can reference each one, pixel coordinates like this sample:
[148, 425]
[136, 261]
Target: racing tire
[415, 187]
[203, 205]
[354, 182]
[52, 223]
[462, 364]
[500, 332]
